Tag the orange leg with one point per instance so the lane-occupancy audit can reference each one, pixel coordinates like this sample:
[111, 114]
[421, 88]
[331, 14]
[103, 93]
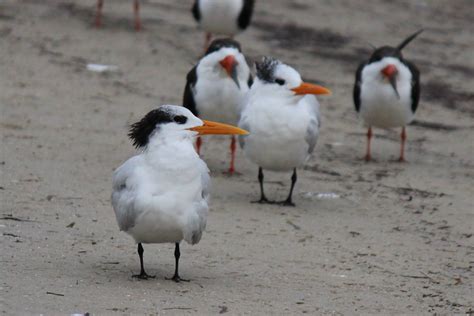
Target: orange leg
[198, 145]
[98, 14]
[369, 137]
[232, 155]
[136, 10]
[403, 137]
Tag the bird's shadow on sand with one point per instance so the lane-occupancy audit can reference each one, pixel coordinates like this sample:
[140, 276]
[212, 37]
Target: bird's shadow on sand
[117, 274]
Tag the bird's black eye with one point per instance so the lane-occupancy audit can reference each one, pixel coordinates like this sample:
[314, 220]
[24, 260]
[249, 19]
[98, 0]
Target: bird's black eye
[180, 119]
[280, 81]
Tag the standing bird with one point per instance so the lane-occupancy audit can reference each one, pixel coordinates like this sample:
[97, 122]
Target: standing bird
[217, 85]
[387, 91]
[222, 17]
[161, 194]
[136, 11]
[282, 116]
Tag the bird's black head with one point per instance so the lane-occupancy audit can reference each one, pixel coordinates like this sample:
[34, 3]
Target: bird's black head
[266, 69]
[389, 51]
[222, 42]
[141, 131]
[385, 51]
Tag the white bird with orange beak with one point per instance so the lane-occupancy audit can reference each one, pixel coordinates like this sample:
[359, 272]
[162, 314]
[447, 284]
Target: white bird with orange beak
[387, 91]
[161, 194]
[282, 116]
[216, 87]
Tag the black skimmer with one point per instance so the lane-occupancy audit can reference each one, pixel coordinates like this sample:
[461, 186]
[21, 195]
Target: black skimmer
[217, 85]
[161, 194]
[136, 11]
[222, 17]
[282, 116]
[387, 91]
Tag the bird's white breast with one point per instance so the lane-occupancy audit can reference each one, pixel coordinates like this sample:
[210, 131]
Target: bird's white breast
[277, 132]
[220, 17]
[380, 106]
[161, 199]
[217, 97]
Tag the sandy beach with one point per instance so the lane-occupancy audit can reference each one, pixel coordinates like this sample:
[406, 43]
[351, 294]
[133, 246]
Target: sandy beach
[380, 238]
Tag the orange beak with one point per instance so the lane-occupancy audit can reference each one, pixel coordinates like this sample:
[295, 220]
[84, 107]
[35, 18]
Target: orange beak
[230, 65]
[214, 128]
[389, 71]
[309, 88]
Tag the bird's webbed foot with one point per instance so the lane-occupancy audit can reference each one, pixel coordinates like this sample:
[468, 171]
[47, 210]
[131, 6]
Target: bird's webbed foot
[177, 279]
[263, 200]
[143, 276]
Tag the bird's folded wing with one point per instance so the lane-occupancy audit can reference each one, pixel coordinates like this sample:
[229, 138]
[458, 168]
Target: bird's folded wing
[312, 131]
[415, 85]
[357, 86]
[206, 180]
[124, 193]
[243, 124]
[188, 96]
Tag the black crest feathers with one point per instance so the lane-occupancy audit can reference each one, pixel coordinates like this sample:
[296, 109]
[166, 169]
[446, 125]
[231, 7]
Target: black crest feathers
[140, 131]
[266, 68]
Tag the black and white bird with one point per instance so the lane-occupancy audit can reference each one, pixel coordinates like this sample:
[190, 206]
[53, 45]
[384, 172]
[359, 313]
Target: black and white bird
[222, 17]
[161, 194]
[387, 91]
[136, 12]
[282, 116]
[216, 87]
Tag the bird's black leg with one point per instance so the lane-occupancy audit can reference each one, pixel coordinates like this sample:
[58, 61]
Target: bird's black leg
[143, 275]
[263, 198]
[176, 276]
[289, 201]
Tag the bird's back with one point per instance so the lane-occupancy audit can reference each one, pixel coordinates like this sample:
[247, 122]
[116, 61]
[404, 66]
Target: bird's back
[220, 17]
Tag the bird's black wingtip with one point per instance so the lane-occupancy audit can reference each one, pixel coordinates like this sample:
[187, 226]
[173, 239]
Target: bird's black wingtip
[406, 41]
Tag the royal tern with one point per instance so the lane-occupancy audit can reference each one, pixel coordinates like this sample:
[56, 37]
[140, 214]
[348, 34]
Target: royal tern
[387, 91]
[222, 17]
[282, 116]
[136, 11]
[161, 194]
[217, 85]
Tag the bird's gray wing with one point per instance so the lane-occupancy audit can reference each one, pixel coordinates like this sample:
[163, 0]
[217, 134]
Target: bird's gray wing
[124, 193]
[314, 124]
[198, 219]
[243, 124]
[205, 180]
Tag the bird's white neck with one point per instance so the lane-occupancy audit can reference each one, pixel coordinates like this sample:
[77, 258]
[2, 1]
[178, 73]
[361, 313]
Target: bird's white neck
[172, 149]
[272, 94]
